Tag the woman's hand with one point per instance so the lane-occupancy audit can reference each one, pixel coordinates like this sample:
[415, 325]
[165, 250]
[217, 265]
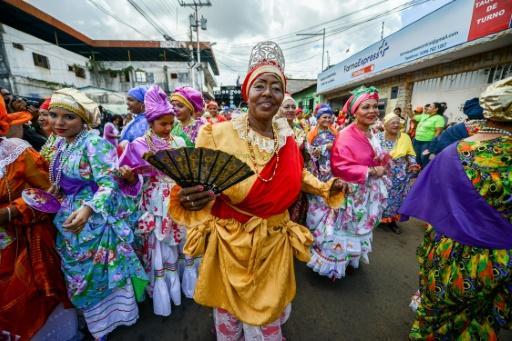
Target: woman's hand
[377, 171]
[339, 186]
[127, 174]
[195, 198]
[76, 220]
[328, 146]
[414, 168]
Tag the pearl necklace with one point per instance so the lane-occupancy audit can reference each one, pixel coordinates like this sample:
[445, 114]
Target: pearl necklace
[252, 155]
[64, 151]
[492, 130]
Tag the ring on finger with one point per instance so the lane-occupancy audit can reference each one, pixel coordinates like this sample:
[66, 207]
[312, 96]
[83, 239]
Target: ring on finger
[192, 203]
[187, 198]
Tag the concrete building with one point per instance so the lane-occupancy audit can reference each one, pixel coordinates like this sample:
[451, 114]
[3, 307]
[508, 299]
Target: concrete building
[303, 91]
[39, 54]
[307, 98]
[450, 56]
[35, 67]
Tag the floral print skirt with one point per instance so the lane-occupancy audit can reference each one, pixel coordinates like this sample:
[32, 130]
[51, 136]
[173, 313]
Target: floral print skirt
[229, 328]
[343, 237]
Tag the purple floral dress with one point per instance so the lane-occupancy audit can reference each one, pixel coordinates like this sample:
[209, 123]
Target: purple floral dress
[192, 129]
[321, 219]
[400, 181]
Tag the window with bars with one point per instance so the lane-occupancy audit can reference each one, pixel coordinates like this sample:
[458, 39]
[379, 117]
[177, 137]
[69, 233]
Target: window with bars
[394, 92]
[41, 61]
[499, 72]
[126, 76]
[140, 77]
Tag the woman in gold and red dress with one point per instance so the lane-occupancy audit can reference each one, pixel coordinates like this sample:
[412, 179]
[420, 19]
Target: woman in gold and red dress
[246, 235]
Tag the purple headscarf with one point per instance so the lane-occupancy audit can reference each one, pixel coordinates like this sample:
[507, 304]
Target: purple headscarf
[157, 104]
[190, 97]
[138, 93]
[324, 109]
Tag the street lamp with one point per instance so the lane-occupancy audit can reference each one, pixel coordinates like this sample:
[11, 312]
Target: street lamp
[323, 42]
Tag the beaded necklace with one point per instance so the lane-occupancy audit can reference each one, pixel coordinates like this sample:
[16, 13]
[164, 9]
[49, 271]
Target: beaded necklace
[64, 151]
[252, 155]
[492, 130]
[150, 135]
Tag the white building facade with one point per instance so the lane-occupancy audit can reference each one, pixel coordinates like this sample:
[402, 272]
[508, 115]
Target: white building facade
[33, 67]
[37, 67]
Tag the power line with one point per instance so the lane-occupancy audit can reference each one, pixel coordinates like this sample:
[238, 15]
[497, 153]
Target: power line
[367, 19]
[346, 27]
[115, 17]
[284, 39]
[149, 20]
[292, 34]
[155, 19]
[336, 29]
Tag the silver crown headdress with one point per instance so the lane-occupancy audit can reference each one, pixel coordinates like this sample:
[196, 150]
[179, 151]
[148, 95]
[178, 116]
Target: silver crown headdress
[266, 52]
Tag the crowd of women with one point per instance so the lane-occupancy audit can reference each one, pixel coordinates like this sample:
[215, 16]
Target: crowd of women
[126, 232]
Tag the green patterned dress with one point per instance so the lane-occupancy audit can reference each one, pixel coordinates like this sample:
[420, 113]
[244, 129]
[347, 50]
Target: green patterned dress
[465, 290]
[102, 272]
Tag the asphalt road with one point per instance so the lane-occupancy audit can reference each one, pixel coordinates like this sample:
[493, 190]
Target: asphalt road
[369, 304]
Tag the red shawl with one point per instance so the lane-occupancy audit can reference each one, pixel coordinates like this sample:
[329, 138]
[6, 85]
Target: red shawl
[266, 199]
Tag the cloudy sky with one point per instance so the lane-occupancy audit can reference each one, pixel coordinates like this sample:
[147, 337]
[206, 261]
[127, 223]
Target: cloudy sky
[236, 25]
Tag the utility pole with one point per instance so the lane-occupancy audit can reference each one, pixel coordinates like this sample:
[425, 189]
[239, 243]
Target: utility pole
[192, 63]
[195, 24]
[323, 41]
[382, 31]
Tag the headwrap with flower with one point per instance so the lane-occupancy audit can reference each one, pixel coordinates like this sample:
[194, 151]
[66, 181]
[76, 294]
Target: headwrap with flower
[360, 95]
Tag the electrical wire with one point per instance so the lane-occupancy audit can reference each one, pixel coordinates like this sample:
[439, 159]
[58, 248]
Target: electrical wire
[293, 34]
[147, 17]
[338, 28]
[115, 17]
[346, 27]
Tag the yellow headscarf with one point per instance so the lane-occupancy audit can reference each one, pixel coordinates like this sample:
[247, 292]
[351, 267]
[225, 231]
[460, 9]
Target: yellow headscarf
[76, 102]
[180, 98]
[496, 101]
[403, 145]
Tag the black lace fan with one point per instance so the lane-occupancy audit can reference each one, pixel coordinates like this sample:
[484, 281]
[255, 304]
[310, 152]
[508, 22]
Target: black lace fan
[214, 169]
